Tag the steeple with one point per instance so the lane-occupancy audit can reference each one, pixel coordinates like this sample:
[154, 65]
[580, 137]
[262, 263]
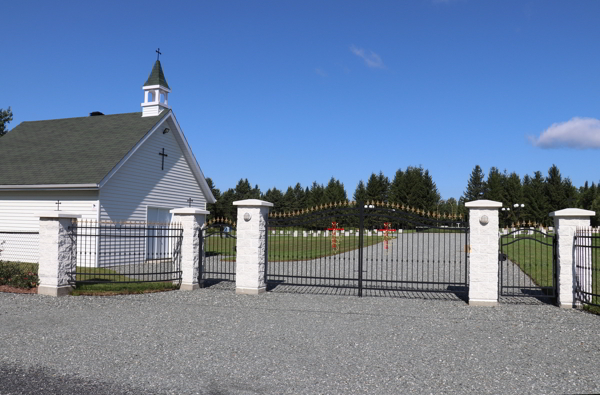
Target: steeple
[156, 91]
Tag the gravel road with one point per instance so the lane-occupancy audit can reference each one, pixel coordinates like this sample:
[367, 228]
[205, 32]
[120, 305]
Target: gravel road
[212, 341]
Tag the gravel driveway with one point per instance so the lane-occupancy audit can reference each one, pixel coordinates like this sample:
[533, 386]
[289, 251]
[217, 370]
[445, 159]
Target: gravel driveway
[411, 261]
[212, 341]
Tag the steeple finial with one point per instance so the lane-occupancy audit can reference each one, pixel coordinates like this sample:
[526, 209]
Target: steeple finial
[158, 53]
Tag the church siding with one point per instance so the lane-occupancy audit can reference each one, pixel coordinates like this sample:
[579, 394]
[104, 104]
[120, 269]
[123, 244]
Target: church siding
[140, 183]
[19, 212]
[19, 209]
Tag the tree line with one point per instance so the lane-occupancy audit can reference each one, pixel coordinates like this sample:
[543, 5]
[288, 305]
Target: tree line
[536, 195]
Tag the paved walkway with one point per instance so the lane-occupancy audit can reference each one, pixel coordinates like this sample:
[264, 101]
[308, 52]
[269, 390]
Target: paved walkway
[215, 342]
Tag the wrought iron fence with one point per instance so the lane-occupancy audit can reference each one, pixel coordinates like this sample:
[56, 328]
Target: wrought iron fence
[126, 252]
[587, 266]
[527, 263]
[219, 240]
[372, 246]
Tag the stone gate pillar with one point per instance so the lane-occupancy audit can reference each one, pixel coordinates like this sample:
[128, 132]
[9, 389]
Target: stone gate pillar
[483, 267]
[566, 222]
[192, 252]
[58, 253]
[251, 259]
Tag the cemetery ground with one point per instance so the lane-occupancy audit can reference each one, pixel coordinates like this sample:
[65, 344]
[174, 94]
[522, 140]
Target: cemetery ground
[212, 341]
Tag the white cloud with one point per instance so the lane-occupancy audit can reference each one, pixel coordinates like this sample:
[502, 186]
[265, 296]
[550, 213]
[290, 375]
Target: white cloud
[578, 132]
[371, 59]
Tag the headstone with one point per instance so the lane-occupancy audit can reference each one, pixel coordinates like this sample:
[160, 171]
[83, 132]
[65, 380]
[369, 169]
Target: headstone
[379, 233]
[326, 233]
[281, 232]
[369, 233]
[399, 230]
[346, 233]
[303, 233]
[295, 233]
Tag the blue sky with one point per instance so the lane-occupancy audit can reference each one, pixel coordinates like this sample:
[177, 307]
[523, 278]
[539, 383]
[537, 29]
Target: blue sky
[281, 92]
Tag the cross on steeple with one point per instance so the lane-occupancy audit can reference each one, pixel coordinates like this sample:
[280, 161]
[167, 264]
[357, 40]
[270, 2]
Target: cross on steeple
[162, 167]
[158, 54]
[190, 200]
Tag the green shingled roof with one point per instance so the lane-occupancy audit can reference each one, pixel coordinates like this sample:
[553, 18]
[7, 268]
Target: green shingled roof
[157, 77]
[70, 151]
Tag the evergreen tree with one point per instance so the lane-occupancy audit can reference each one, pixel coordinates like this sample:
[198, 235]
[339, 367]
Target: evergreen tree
[476, 185]
[415, 187]
[360, 194]
[5, 117]
[513, 190]
[274, 196]
[215, 191]
[335, 192]
[560, 192]
[537, 206]
[495, 186]
[288, 202]
[398, 188]
[243, 190]
[224, 207]
[317, 195]
[378, 187]
[586, 196]
[300, 196]
[595, 221]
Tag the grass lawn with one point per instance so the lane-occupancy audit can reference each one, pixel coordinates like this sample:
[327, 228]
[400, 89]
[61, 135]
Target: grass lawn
[224, 247]
[103, 283]
[533, 257]
[287, 248]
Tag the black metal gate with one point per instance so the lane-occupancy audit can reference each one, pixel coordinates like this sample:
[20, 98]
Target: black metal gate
[218, 239]
[587, 266]
[527, 264]
[125, 252]
[368, 246]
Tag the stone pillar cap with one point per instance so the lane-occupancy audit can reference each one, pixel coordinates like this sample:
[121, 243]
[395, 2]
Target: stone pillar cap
[572, 212]
[483, 203]
[57, 214]
[253, 203]
[188, 211]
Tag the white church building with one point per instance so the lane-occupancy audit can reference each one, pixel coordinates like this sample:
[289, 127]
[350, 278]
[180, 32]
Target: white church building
[121, 167]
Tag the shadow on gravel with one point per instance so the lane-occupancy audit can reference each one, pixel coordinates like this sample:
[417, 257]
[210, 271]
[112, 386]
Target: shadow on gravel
[219, 284]
[452, 293]
[18, 380]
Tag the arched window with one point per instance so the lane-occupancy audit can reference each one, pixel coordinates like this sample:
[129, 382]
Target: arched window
[162, 97]
[150, 97]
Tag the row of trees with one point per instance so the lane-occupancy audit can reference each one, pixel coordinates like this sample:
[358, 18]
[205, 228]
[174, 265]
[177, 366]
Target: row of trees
[539, 195]
[535, 195]
[413, 186]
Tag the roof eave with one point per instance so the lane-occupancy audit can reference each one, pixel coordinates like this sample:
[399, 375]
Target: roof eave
[51, 187]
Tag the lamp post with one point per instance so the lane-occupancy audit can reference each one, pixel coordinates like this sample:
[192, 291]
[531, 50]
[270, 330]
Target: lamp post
[506, 215]
[518, 207]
